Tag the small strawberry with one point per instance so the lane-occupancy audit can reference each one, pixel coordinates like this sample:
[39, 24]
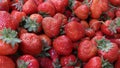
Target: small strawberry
[74, 30]
[63, 45]
[27, 61]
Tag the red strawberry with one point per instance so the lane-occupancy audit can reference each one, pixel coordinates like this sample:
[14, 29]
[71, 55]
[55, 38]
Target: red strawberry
[4, 5]
[45, 62]
[63, 45]
[29, 7]
[117, 64]
[95, 24]
[89, 32]
[6, 62]
[59, 5]
[38, 1]
[98, 33]
[117, 13]
[51, 26]
[107, 49]
[104, 5]
[84, 24]
[115, 2]
[8, 41]
[32, 48]
[68, 67]
[117, 41]
[94, 62]
[46, 9]
[33, 23]
[86, 50]
[82, 12]
[68, 60]
[27, 61]
[74, 30]
[6, 21]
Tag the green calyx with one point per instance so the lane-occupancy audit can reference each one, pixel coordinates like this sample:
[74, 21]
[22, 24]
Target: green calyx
[56, 64]
[112, 27]
[44, 14]
[31, 25]
[117, 22]
[104, 45]
[22, 64]
[9, 36]
[72, 63]
[106, 64]
[19, 5]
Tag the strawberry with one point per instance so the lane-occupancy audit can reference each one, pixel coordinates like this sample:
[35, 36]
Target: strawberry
[117, 64]
[84, 24]
[63, 45]
[98, 33]
[86, 50]
[107, 49]
[33, 23]
[27, 61]
[117, 13]
[4, 5]
[89, 32]
[29, 7]
[59, 5]
[38, 1]
[68, 60]
[117, 41]
[74, 30]
[82, 11]
[6, 62]
[115, 2]
[104, 5]
[9, 42]
[51, 26]
[68, 67]
[6, 21]
[32, 48]
[95, 24]
[46, 9]
[45, 62]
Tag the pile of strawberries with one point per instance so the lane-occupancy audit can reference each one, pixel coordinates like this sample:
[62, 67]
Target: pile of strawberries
[59, 33]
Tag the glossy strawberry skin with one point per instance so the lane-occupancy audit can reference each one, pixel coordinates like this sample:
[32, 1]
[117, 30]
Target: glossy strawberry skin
[46, 8]
[32, 48]
[82, 11]
[7, 21]
[51, 27]
[45, 62]
[94, 62]
[33, 63]
[89, 32]
[6, 62]
[67, 60]
[63, 45]
[4, 5]
[111, 55]
[115, 2]
[74, 30]
[29, 7]
[86, 50]
[84, 24]
[75, 4]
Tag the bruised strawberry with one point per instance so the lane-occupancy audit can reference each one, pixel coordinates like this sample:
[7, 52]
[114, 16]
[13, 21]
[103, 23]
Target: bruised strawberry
[115, 2]
[46, 9]
[82, 12]
[45, 62]
[29, 7]
[63, 45]
[4, 5]
[74, 30]
[6, 62]
[7, 21]
[68, 60]
[51, 26]
[9, 41]
[59, 5]
[95, 24]
[86, 50]
[27, 61]
[32, 48]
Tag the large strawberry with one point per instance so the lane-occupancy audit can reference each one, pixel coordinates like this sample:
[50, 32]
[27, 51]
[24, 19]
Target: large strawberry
[29, 7]
[59, 5]
[46, 9]
[27, 61]
[82, 11]
[6, 62]
[30, 44]
[107, 49]
[7, 21]
[86, 50]
[4, 5]
[63, 45]
[74, 30]
[8, 41]
[51, 26]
